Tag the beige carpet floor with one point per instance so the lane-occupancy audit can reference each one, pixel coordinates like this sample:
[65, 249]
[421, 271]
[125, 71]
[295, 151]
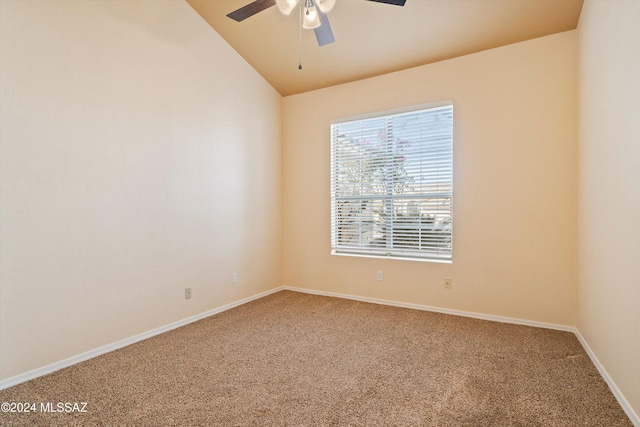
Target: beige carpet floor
[292, 359]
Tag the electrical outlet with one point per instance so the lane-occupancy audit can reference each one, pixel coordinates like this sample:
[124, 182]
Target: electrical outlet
[234, 278]
[447, 282]
[379, 276]
[187, 293]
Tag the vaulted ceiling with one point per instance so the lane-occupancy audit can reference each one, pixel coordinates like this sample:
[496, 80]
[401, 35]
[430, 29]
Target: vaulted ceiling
[376, 38]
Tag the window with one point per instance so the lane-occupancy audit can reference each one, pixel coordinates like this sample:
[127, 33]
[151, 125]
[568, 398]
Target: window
[392, 184]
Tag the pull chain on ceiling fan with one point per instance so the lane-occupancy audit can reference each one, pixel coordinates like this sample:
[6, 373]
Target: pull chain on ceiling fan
[314, 17]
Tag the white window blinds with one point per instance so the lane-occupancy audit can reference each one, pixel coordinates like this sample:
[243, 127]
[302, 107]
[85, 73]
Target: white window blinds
[392, 184]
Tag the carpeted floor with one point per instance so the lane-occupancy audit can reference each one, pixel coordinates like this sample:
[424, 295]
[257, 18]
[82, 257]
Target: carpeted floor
[293, 359]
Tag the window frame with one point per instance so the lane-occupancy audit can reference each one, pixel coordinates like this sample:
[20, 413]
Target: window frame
[391, 251]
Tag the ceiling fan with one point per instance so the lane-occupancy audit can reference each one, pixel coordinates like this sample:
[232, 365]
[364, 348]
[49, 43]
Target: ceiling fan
[315, 14]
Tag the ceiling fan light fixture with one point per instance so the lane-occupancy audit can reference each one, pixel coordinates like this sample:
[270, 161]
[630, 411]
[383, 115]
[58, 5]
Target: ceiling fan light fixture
[286, 6]
[311, 19]
[325, 6]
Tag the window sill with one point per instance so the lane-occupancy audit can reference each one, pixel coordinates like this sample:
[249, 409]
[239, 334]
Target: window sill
[390, 257]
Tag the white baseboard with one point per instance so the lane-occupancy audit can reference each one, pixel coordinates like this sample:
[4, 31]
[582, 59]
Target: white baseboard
[9, 382]
[471, 314]
[612, 385]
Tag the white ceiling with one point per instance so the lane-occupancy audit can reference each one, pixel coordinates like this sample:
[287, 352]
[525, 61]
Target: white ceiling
[375, 38]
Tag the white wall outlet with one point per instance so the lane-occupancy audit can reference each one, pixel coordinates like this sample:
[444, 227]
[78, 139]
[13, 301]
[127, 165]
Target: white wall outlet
[447, 282]
[187, 293]
[379, 276]
[234, 278]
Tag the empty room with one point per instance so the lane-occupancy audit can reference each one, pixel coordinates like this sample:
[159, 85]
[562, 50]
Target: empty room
[320, 212]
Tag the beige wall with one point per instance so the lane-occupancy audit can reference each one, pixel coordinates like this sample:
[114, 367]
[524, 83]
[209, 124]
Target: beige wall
[515, 178]
[609, 196]
[139, 155]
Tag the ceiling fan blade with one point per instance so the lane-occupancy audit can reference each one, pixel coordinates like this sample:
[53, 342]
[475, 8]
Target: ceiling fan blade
[324, 35]
[393, 2]
[251, 9]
